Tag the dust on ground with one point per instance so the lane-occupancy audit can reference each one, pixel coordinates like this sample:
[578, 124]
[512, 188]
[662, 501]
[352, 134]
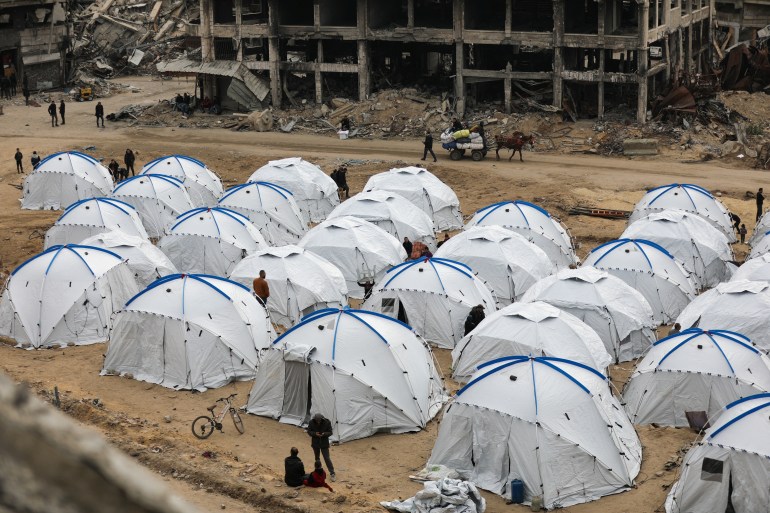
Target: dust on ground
[243, 472]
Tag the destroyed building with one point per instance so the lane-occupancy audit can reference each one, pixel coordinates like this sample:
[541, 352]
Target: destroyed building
[743, 18]
[583, 55]
[34, 38]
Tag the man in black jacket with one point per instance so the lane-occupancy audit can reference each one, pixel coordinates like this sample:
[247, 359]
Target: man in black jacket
[428, 143]
[62, 109]
[129, 158]
[99, 112]
[320, 429]
[52, 113]
[295, 469]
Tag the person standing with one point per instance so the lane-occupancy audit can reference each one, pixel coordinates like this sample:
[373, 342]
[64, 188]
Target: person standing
[129, 158]
[261, 287]
[428, 143]
[34, 160]
[25, 91]
[743, 231]
[760, 201]
[62, 108]
[441, 242]
[320, 429]
[19, 158]
[294, 469]
[474, 318]
[676, 328]
[99, 112]
[340, 177]
[52, 112]
[407, 247]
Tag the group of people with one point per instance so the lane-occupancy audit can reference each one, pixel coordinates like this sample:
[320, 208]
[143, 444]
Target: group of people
[18, 157]
[186, 104]
[55, 113]
[120, 173]
[319, 429]
[8, 83]
[740, 228]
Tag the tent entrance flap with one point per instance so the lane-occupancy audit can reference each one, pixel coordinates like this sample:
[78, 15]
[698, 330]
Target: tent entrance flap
[297, 391]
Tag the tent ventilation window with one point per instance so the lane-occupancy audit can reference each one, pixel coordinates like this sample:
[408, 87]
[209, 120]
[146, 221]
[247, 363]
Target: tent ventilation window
[513, 378]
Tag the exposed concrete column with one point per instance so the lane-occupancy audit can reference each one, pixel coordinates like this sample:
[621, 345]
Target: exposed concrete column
[410, 14]
[364, 74]
[558, 57]
[600, 44]
[507, 91]
[318, 84]
[508, 17]
[238, 29]
[207, 46]
[642, 63]
[459, 23]
[364, 87]
[688, 48]
[316, 15]
[274, 56]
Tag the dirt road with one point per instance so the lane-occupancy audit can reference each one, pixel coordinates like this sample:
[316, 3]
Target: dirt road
[243, 472]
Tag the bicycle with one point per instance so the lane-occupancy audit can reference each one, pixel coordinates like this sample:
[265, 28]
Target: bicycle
[203, 426]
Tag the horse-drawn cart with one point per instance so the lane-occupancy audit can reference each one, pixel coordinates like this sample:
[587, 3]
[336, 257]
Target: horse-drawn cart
[459, 143]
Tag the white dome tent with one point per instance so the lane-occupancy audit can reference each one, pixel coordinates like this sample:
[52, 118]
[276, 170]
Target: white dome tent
[693, 371]
[424, 190]
[552, 423]
[270, 208]
[158, 199]
[756, 269]
[760, 246]
[145, 260]
[507, 262]
[300, 281]
[365, 372]
[359, 249]
[314, 191]
[65, 295]
[189, 331]
[391, 212]
[202, 184]
[651, 270]
[730, 464]
[739, 306]
[532, 222]
[613, 309]
[528, 329]
[93, 216]
[210, 241]
[433, 295]
[703, 249]
[690, 198]
[64, 178]
[760, 229]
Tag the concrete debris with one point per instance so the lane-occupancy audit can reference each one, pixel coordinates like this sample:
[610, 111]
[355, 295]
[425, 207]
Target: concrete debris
[112, 36]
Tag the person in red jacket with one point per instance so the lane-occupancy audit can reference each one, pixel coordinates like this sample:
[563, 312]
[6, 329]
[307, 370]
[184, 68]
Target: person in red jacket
[317, 478]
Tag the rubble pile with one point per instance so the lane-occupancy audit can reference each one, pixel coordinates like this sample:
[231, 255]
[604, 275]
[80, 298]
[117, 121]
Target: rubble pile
[113, 36]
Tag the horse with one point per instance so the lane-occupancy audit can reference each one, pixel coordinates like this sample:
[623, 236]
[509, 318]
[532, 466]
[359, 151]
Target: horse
[514, 142]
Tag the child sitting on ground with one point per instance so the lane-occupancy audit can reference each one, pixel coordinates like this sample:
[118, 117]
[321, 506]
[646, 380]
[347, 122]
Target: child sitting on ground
[317, 478]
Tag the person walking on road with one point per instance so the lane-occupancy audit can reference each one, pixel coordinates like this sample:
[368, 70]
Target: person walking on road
[62, 108]
[99, 114]
[19, 158]
[261, 288]
[52, 112]
[320, 429]
[428, 143]
[129, 158]
[760, 202]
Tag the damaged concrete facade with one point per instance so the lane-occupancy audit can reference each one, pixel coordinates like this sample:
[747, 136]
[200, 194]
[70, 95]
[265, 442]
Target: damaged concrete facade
[33, 41]
[583, 55]
[742, 17]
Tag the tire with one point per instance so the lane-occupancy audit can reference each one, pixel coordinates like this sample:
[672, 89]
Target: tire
[202, 427]
[455, 155]
[237, 420]
[477, 155]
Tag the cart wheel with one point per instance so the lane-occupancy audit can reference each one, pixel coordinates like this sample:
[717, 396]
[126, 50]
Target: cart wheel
[477, 155]
[455, 154]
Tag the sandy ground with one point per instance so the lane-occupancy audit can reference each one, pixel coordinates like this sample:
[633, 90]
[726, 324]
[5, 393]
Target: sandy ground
[243, 472]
